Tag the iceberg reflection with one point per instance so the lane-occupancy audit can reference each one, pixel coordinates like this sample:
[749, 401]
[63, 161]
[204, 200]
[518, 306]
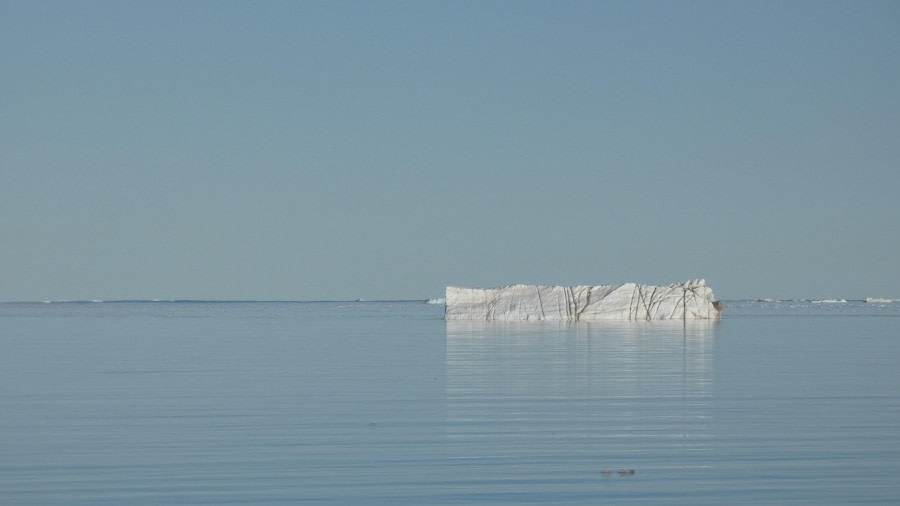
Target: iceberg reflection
[579, 394]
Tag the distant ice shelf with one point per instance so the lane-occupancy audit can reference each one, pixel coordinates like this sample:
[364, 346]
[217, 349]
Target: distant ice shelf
[691, 300]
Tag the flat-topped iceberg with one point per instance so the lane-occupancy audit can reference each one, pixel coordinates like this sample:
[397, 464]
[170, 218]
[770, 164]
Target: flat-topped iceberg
[690, 300]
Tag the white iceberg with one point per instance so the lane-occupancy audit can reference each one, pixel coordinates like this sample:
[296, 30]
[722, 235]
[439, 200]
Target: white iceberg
[630, 301]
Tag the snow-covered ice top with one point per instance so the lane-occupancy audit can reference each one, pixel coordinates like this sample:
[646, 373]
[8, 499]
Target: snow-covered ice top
[629, 301]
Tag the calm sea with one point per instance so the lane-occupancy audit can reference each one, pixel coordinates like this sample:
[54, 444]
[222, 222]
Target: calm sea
[794, 402]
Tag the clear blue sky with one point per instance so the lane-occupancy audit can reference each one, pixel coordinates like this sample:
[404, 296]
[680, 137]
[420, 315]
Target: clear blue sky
[336, 150]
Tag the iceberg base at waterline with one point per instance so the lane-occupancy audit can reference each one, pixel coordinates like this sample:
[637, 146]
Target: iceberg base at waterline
[691, 300]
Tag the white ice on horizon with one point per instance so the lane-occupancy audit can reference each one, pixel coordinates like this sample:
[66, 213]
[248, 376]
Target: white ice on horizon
[629, 301]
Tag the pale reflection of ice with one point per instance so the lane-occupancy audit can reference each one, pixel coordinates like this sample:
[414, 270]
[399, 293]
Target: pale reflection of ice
[623, 394]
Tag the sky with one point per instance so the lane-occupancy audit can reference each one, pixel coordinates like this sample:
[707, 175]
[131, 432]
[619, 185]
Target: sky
[336, 150]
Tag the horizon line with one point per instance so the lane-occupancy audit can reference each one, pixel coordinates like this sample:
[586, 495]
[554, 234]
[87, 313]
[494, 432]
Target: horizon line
[300, 301]
[208, 301]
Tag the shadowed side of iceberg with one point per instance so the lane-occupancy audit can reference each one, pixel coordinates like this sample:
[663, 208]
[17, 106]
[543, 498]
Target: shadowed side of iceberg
[691, 300]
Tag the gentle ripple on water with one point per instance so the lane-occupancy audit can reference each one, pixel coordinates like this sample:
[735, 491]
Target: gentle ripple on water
[186, 403]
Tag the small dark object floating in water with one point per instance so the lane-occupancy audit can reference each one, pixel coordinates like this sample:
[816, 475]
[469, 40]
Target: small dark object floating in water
[625, 471]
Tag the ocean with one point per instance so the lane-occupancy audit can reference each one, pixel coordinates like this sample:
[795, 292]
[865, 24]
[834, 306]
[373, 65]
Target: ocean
[190, 402]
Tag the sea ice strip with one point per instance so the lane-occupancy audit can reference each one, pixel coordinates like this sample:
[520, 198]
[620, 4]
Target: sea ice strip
[630, 301]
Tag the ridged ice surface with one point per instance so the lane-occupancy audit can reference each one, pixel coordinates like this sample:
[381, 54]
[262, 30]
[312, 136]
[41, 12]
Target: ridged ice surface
[792, 402]
[630, 301]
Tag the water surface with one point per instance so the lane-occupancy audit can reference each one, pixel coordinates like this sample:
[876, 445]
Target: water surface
[789, 402]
